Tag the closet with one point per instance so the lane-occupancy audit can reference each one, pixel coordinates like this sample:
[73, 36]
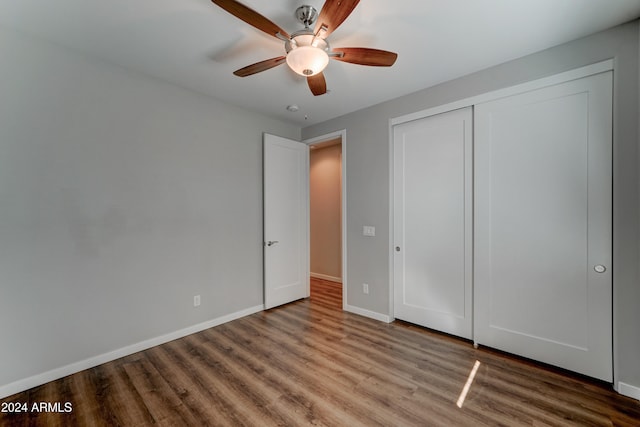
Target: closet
[503, 235]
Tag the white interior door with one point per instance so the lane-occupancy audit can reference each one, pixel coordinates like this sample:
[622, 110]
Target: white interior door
[286, 247]
[433, 222]
[542, 274]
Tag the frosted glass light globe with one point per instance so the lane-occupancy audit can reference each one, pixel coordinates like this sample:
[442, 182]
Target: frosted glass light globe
[307, 54]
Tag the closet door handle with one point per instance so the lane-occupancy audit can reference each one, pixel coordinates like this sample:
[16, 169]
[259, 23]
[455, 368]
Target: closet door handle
[271, 242]
[600, 268]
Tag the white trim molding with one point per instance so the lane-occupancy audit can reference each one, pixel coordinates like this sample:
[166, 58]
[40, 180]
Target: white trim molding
[57, 373]
[629, 390]
[368, 313]
[326, 277]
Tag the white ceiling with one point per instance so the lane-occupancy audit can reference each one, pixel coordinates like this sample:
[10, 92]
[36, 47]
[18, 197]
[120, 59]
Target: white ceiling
[197, 45]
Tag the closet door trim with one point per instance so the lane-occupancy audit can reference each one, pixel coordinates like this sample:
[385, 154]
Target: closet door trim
[578, 73]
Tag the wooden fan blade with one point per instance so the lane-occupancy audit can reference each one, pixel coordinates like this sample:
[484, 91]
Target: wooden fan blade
[260, 66]
[251, 17]
[365, 56]
[333, 13]
[317, 84]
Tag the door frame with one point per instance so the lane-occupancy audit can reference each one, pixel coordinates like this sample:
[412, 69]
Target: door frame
[342, 134]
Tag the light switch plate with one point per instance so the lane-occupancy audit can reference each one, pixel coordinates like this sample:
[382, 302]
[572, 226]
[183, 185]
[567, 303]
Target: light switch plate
[368, 230]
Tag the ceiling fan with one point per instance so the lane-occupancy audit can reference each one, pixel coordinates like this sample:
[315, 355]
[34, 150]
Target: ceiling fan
[308, 51]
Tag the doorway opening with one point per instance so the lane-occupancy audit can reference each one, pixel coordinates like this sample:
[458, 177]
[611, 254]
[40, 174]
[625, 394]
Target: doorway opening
[326, 220]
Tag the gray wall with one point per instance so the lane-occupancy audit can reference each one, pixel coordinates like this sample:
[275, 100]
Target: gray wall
[367, 169]
[121, 197]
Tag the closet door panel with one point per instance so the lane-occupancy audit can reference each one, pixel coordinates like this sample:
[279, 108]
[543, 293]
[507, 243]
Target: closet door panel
[432, 222]
[543, 225]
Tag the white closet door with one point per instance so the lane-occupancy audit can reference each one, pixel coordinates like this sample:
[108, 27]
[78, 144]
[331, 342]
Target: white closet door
[542, 273]
[432, 222]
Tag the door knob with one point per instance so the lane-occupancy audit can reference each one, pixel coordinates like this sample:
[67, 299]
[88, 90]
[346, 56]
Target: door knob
[271, 242]
[600, 268]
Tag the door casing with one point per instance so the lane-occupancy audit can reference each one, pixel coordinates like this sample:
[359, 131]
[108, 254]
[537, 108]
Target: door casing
[342, 134]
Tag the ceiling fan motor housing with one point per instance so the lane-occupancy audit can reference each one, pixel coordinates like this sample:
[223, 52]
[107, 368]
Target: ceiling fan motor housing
[307, 15]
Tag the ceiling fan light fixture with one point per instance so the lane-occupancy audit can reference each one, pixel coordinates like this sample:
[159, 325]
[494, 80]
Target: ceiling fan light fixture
[307, 54]
[308, 51]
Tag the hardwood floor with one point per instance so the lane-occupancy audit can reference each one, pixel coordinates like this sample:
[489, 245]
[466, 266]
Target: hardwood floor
[309, 363]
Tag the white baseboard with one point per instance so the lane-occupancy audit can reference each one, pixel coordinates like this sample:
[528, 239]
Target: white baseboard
[54, 374]
[368, 313]
[629, 390]
[326, 277]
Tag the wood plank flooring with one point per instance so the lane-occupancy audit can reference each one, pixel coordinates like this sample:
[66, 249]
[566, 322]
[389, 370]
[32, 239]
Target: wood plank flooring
[310, 363]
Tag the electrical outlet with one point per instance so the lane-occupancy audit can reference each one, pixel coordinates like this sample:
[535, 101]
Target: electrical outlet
[365, 288]
[196, 300]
